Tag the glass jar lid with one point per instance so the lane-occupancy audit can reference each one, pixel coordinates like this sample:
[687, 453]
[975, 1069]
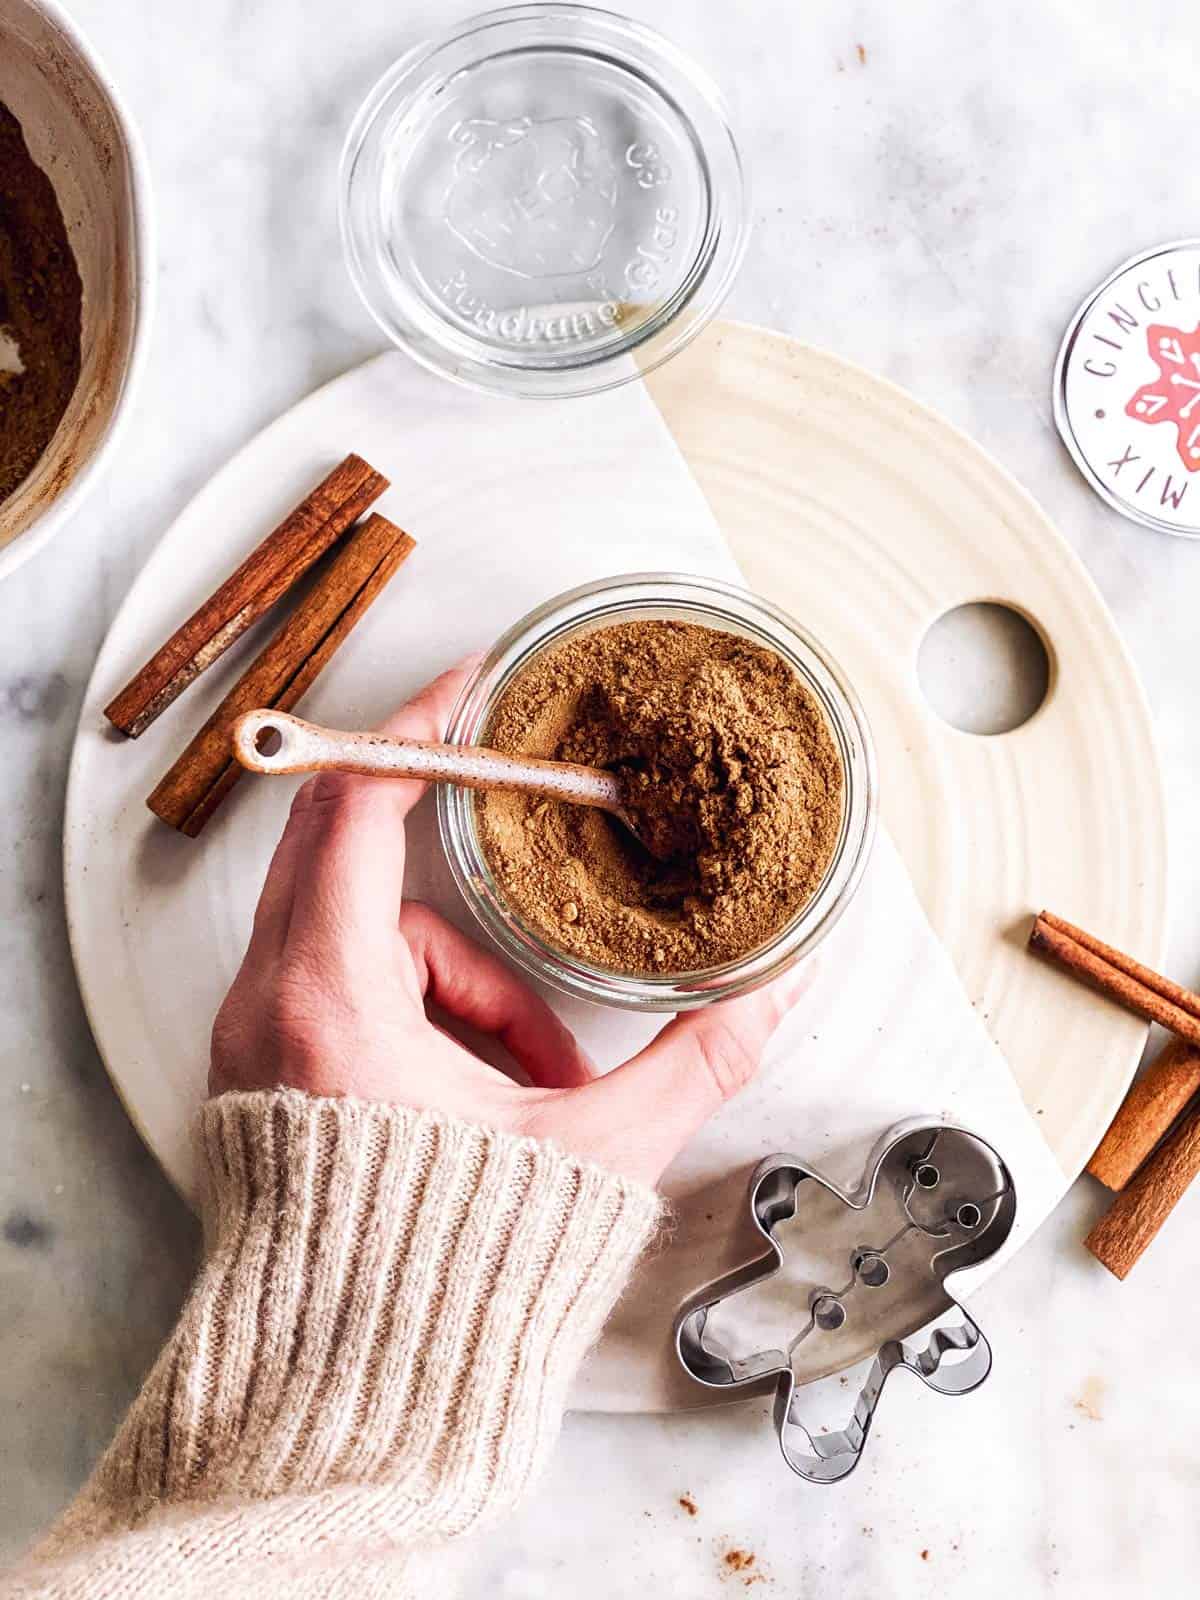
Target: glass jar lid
[548, 201]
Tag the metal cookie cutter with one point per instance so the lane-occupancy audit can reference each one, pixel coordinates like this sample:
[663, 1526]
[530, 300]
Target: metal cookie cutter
[933, 1200]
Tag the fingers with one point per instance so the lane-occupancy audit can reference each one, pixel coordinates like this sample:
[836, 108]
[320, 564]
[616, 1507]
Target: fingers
[425, 716]
[646, 1110]
[347, 856]
[274, 910]
[479, 989]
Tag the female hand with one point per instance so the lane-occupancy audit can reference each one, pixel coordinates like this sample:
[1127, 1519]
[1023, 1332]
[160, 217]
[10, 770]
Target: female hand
[331, 995]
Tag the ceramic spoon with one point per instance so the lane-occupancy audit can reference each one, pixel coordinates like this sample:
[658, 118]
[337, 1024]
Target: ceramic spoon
[274, 742]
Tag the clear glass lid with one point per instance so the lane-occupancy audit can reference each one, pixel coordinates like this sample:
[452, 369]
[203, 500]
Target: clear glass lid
[547, 190]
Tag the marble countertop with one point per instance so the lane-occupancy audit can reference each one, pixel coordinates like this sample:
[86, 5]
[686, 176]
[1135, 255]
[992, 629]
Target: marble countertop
[936, 186]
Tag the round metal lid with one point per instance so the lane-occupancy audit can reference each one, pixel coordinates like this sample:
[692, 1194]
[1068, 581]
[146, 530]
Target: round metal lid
[1127, 389]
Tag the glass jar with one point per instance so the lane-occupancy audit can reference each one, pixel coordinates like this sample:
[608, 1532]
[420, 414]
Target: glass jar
[663, 597]
[547, 201]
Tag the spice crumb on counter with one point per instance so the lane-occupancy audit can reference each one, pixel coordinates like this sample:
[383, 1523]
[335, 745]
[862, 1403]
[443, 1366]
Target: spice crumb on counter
[742, 1565]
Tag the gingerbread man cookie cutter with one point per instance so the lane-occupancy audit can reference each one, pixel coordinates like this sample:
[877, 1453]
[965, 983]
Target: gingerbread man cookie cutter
[933, 1200]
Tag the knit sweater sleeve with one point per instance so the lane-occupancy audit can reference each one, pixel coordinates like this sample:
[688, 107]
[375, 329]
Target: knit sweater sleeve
[375, 1356]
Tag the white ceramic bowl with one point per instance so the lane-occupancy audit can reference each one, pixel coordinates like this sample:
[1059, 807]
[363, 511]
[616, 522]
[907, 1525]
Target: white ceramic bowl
[80, 134]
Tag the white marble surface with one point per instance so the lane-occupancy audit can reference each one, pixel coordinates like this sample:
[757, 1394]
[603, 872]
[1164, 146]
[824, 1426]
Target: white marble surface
[932, 204]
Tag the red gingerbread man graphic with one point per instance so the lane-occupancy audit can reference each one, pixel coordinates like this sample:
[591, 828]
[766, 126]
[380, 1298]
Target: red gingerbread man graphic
[1174, 395]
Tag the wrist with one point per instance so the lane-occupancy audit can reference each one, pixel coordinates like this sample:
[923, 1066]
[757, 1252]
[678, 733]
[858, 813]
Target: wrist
[414, 1283]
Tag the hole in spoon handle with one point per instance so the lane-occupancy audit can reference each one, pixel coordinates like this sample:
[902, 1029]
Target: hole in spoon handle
[263, 741]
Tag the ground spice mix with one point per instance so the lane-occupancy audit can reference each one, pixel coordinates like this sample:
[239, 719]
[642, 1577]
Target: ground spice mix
[40, 301]
[732, 775]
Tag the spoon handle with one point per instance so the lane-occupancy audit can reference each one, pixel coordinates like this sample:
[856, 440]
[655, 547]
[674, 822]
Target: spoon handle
[274, 742]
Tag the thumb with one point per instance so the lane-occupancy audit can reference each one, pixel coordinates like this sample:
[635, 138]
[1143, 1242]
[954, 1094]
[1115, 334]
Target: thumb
[644, 1112]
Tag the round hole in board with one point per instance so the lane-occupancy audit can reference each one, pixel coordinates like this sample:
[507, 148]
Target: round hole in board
[267, 741]
[984, 668]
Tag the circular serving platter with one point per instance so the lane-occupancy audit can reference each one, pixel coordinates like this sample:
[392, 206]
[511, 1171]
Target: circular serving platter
[842, 499]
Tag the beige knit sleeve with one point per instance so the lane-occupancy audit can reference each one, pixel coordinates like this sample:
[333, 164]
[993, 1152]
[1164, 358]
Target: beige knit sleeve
[376, 1353]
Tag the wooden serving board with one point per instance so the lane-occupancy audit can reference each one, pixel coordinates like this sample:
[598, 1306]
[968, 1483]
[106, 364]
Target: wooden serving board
[844, 498]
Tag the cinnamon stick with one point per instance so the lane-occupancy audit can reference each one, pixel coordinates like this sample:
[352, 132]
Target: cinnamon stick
[206, 771]
[1146, 1113]
[1137, 988]
[1186, 999]
[284, 556]
[1121, 1236]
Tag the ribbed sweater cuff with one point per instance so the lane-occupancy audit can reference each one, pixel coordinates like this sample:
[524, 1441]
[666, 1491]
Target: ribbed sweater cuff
[387, 1294]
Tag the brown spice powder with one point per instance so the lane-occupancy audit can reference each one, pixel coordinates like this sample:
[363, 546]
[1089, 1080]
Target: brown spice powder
[732, 775]
[40, 301]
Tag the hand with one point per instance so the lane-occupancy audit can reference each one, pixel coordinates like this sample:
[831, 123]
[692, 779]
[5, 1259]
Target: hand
[331, 995]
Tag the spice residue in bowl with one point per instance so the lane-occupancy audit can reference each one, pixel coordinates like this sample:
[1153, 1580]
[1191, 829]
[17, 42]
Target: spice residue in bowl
[40, 303]
[733, 779]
